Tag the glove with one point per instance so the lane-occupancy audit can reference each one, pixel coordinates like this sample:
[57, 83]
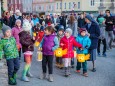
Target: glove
[86, 47]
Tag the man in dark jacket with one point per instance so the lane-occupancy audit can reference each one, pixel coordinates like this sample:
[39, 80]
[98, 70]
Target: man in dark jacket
[81, 21]
[110, 21]
[14, 17]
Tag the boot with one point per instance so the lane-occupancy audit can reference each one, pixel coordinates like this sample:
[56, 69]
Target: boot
[24, 78]
[66, 72]
[69, 70]
[11, 81]
[50, 79]
[42, 76]
[61, 66]
[14, 77]
[29, 74]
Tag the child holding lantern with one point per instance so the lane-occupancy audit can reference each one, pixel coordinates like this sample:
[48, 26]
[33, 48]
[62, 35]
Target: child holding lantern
[68, 42]
[48, 44]
[86, 42]
[27, 48]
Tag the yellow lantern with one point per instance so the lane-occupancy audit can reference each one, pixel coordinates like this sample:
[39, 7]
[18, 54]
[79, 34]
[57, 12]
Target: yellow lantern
[34, 34]
[37, 43]
[87, 57]
[59, 52]
[81, 57]
[39, 56]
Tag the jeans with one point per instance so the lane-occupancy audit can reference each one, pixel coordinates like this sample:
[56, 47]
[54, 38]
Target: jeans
[104, 45]
[109, 38]
[13, 66]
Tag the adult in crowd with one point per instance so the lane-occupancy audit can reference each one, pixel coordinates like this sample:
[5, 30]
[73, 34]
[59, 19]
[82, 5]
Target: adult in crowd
[63, 20]
[6, 19]
[110, 22]
[102, 38]
[81, 21]
[14, 17]
[48, 20]
[93, 32]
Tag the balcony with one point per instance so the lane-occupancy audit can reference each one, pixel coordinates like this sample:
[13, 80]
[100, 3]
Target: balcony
[101, 7]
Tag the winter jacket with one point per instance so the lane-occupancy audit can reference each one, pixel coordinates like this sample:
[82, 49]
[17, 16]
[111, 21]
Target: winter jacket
[69, 43]
[94, 32]
[26, 41]
[8, 46]
[48, 21]
[15, 34]
[39, 36]
[81, 23]
[49, 44]
[109, 27]
[85, 41]
[74, 28]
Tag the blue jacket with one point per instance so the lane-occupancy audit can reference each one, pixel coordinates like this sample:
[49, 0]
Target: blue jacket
[94, 32]
[85, 41]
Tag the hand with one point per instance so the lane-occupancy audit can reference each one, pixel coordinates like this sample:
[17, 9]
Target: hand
[86, 47]
[62, 44]
[88, 34]
[33, 38]
[39, 49]
[81, 48]
[111, 22]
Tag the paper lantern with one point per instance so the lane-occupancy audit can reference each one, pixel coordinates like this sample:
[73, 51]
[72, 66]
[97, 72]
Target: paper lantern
[87, 57]
[39, 56]
[81, 57]
[37, 43]
[34, 34]
[59, 52]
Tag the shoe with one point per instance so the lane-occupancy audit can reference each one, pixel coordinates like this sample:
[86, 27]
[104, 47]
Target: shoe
[42, 76]
[57, 65]
[94, 70]
[11, 81]
[72, 66]
[99, 54]
[85, 74]
[50, 78]
[25, 79]
[61, 66]
[29, 75]
[77, 71]
[104, 55]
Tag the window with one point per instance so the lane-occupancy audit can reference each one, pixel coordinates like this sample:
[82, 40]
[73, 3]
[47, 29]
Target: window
[65, 5]
[78, 5]
[69, 5]
[57, 5]
[60, 5]
[92, 2]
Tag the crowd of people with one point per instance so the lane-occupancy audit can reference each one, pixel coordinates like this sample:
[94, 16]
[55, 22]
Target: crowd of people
[80, 33]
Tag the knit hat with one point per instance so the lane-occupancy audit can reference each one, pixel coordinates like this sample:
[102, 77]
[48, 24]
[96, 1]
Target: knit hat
[42, 28]
[18, 20]
[89, 17]
[5, 28]
[69, 31]
[82, 29]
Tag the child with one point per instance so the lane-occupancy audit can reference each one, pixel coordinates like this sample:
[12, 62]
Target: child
[27, 48]
[15, 33]
[85, 41]
[68, 42]
[8, 46]
[60, 34]
[40, 34]
[49, 44]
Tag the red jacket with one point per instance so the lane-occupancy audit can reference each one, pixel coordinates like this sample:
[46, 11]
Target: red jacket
[39, 36]
[69, 43]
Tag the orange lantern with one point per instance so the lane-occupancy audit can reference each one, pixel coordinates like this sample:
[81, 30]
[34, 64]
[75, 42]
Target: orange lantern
[59, 52]
[87, 57]
[37, 43]
[81, 57]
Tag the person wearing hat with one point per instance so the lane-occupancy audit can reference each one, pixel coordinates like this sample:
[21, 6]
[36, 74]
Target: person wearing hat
[60, 34]
[93, 32]
[68, 42]
[8, 46]
[83, 39]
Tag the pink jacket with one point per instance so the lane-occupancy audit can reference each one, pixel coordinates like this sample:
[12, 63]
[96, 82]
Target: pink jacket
[15, 34]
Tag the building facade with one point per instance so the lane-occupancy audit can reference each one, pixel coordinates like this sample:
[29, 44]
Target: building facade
[27, 6]
[107, 4]
[13, 5]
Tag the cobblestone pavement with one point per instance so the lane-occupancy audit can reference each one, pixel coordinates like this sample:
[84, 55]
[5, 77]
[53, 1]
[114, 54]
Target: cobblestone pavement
[104, 76]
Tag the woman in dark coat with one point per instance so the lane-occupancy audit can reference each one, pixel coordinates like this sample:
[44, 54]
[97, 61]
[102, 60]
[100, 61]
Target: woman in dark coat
[94, 33]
